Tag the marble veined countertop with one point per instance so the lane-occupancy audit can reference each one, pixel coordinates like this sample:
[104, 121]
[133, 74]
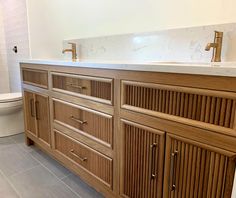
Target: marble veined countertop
[215, 69]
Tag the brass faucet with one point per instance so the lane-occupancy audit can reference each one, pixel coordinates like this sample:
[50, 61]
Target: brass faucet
[72, 50]
[217, 47]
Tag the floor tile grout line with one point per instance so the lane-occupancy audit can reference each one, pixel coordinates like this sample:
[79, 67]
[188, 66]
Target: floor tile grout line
[66, 176]
[40, 164]
[12, 185]
[60, 179]
[56, 176]
[18, 173]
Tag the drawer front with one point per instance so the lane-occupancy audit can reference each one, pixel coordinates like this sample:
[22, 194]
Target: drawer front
[208, 106]
[99, 89]
[35, 77]
[92, 161]
[90, 123]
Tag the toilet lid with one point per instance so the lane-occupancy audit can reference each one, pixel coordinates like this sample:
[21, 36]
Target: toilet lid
[10, 97]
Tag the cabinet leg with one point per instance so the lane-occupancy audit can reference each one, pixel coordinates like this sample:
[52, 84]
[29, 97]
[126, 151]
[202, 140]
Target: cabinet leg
[28, 141]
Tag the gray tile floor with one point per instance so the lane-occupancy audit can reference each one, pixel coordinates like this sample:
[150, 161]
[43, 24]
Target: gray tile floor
[27, 172]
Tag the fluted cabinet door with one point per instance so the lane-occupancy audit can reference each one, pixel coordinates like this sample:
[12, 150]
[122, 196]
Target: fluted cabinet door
[142, 160]
[29, 109]
[42, 117]
[195, 170]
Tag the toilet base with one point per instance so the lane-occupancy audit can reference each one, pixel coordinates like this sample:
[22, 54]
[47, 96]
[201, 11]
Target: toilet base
[11, 124]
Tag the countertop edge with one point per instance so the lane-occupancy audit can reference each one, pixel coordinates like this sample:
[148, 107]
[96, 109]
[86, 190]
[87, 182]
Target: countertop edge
[194, 69]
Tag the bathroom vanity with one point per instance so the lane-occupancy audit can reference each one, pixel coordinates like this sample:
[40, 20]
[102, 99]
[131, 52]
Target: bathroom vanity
[153, 130]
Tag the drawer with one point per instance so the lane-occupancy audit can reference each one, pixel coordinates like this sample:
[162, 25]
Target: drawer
[35, 77]
[174, 102]
[99, 89]
[97, 164]
[93, 124]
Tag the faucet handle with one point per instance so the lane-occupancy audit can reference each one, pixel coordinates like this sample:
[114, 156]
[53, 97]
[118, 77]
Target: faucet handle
[219, 34]
[72, 44]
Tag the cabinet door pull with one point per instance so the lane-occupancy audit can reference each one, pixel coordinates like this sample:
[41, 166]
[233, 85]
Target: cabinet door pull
[75, 86]
[82, 159]
[37, 110]
[32, 108]
[153, 157]
[78, 120]
[173, 170]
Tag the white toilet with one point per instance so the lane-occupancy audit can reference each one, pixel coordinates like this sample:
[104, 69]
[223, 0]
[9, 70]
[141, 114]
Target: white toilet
[11, 114]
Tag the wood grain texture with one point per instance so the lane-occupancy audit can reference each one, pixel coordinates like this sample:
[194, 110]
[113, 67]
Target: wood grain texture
[199, 108]
[36, 107]
[35, 77]
[197, 171]
[42, 117]
[82, 85]
[94, 162]
[142, 161]
[195, 104]
[29, 112]
[96, 124]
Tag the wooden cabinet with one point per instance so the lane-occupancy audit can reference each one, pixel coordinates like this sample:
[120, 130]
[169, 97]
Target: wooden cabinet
[37, 115]
[99, 89]
[96, 164]
[195, 170]
[142, 160]
[29, 109]
[35, 77]
[90, 123]
[135, 134]
[189, 105]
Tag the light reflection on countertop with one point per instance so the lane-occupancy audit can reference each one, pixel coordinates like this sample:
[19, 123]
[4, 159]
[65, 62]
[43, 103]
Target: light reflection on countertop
[200, 68]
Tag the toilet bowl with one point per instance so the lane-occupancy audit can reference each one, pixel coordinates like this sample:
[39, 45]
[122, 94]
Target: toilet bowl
[11, 114]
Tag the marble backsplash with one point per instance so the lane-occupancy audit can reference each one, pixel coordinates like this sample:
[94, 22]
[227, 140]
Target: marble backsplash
[186, 44]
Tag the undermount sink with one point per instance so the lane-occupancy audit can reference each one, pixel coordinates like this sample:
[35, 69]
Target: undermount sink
[219, 64]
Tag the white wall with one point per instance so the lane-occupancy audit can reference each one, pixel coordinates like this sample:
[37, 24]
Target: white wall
[4, 78]
[52, 21]
[16, 34]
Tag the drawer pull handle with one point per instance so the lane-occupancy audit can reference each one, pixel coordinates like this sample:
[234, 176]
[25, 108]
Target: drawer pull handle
[37, 110]
[78, 120]
[82, 159]
[153, 157]
[173, 170]
[32, 108]
[75, 86]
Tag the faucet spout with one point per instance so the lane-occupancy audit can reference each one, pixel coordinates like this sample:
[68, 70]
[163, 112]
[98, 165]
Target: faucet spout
[72, 50]
[66, 50]
[211, 45]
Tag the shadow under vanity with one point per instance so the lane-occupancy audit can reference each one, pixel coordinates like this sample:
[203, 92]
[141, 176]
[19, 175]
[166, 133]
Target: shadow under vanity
[133, 133]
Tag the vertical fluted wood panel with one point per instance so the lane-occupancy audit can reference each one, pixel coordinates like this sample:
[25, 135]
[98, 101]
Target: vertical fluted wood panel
[140, 162]
[29, 109]
[200, 173]
[36, 77]
[94, 162]
[94, 88]
[209, 109]
[97, 125]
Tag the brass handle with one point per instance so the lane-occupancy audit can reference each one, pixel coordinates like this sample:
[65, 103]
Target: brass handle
[173, 170]
[76, 86]
[31, 108]
[37, 110]
[153, 164]
[82, 159]
[78, 120]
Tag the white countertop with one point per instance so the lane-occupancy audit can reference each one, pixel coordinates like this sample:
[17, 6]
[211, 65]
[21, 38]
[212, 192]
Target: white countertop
[216, 69]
